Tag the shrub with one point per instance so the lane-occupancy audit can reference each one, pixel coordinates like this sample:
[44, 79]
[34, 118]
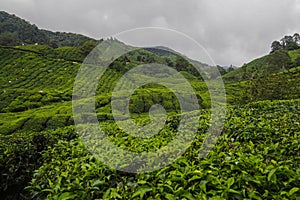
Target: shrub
[21, 154]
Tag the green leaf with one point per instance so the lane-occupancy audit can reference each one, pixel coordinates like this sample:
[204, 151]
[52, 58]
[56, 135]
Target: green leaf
[97, 183]
[67, 195]
[271, 173]
[188, 195]
[293, 190]
[48, 190]
[203, 185]
[216, 198]
[230, 182]
[170, 196]
[195, 177]
[142, 182]
[142, 191]
[111, 194]
[234, 191]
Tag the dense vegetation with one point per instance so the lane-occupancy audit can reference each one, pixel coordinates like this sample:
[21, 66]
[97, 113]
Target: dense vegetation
[256, 157]
[16, 31]
[42, 156]
[288, 42]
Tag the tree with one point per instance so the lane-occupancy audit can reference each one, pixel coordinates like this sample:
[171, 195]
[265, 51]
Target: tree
[275, 46]
[9, 39]
[289, 43]
[292, 46]
[286, 40]
[231, 68]
[296, 38]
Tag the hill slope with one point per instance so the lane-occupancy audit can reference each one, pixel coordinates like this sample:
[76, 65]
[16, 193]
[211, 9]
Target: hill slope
[16, 31]
[277, 61]
[37, 82]
[274, 76]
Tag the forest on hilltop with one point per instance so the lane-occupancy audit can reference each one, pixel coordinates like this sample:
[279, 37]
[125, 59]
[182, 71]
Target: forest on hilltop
[15, 31]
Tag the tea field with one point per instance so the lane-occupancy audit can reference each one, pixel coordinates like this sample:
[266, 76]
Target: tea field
[256, 157]
[42, 156]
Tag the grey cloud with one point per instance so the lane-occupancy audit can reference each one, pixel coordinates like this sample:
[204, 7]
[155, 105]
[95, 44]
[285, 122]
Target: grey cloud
[233, 31]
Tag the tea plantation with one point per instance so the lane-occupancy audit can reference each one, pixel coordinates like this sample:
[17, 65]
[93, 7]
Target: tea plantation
[42, 156]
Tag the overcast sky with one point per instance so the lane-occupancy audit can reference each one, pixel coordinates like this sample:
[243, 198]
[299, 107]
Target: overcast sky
[232, 31]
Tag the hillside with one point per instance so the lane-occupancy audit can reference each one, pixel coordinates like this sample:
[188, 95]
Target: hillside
[281, 85]
[284, 55]
[38, 82]
[273, 76]
[275, 62]
[16, 31]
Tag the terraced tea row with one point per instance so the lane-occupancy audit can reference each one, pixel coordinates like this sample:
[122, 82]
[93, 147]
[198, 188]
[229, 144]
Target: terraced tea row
[257, 156]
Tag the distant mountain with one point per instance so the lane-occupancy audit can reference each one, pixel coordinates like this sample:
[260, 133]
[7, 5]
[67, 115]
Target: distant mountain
[16, 31]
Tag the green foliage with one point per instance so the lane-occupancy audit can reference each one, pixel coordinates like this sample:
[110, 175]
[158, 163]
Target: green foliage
[38, 49]
[31, 80]
[9, 39]
[265, 86]
[70, 53]
[287, 43]
[279, 61]
[15, 31]
[21, 154]
[297, 61]
[181, 64]
[87, 47]
[222, 70]
[275, 46]
[47, 117]
[275, 62]
[257, 157]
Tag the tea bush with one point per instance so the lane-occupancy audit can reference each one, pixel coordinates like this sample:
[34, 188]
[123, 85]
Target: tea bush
[21, 154]
[256, 157]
